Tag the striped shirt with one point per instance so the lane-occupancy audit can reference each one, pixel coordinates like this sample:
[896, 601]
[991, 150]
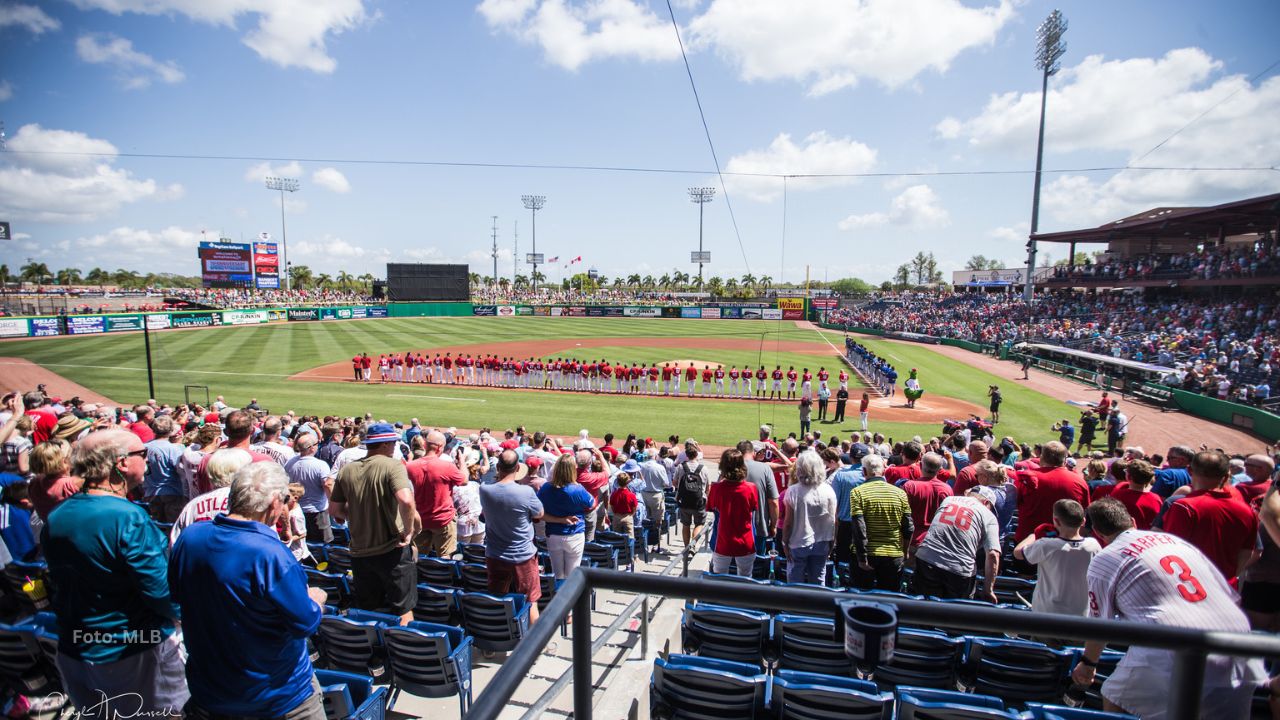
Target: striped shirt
[882, 507]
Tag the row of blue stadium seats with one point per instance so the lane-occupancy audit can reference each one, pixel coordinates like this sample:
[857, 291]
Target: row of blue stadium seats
[1013, 669]
[684, 687]
[1010, 593]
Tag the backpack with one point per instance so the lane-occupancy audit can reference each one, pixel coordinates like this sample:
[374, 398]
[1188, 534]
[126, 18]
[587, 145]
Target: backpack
[692, 494]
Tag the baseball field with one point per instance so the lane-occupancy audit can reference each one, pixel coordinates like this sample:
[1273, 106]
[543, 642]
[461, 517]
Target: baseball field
[306, 367]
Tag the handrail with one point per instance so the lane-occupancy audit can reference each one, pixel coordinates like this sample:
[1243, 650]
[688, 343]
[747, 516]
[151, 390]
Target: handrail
[1191, 647]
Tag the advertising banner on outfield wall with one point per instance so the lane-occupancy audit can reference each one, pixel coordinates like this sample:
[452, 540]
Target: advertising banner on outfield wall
[484, 310]
[690, 312]
[825, 303]
[750, 313]
[771, 314]
[204, 319]
[506, 311]
[595, 311]
[85, 325]
[642, 312]
[277, 315]
[557, 311]
[46, 327]
[244, 317]
[542, 310]
[359, 313]
[613, 312]
[15, 327]
[710, 313]
[576, 311]
[524, 310]
[117, 323]
[791, 304]
[304, 314]
[378, 311]
[157, 321]
[669, 312]
[733, 313]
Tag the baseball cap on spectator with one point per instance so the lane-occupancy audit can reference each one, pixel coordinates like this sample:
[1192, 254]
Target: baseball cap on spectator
[533, 461]
[380, 433]
[212, 418]
[630, 467]
[985, 494]
[846, 458]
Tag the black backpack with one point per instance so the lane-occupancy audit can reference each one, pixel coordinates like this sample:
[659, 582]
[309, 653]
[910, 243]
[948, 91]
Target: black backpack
[692, 494]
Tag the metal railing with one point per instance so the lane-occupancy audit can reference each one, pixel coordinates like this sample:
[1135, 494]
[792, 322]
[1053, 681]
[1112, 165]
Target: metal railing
[1191, 647]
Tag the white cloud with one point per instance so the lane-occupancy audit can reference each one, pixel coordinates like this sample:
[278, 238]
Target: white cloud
[817, 154]
[75, 182]
[6, 90]
[328, 246]
[28, 16]
[261, 171]
[916, 208]
[330, 179]
[1128, 107]
[136, 69]
[1015, 232]
[140, 241]
[289, 33]
[889, 41]
[572, 34]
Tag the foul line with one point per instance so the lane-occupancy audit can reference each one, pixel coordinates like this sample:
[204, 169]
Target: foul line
[434, 397]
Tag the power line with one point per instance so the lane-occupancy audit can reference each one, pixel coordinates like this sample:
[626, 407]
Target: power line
[626, 168]
[707, 129]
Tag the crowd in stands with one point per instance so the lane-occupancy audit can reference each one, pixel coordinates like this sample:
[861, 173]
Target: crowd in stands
[231, 298]
[550, 295]
[1228, 349]
[1260, 259]
[242, 495]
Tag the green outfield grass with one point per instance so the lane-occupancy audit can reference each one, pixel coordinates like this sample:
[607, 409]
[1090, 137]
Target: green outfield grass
[255, 361]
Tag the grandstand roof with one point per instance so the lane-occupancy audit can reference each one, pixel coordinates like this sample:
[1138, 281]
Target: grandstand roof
[1240, 217]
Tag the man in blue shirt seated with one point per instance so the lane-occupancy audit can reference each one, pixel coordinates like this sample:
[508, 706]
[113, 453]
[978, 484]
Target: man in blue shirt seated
[1176, 474]
[255, 665]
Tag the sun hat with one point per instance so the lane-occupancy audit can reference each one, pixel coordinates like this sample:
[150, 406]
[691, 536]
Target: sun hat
[380, 433]
[630, 467]
[69, 427]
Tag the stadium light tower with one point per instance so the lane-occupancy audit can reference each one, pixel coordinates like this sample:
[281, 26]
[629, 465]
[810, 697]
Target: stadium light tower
[701, 196]
[1049, 51]
[534, 203]
[284, 185]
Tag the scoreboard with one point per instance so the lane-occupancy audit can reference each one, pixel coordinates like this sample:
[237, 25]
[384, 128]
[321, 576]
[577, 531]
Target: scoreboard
[226, 265]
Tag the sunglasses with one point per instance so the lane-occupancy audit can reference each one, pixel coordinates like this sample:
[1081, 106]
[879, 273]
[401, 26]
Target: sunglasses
[136, 453]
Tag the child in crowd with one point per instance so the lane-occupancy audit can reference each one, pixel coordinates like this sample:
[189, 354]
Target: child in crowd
[623, 504]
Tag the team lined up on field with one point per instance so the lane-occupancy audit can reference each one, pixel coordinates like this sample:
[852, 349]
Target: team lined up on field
[572, 374]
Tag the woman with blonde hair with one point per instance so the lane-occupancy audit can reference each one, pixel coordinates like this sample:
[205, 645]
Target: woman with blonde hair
[53, 482]
[563, 497]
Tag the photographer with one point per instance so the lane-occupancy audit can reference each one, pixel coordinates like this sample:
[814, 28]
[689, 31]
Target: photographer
[993, 392]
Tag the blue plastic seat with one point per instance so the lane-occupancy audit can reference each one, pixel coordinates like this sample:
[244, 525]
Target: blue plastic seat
[429, 660]
[496, 623]
[811, 696]
[338, 558]
[1107, 662]
[437, 605]
[807, 644]
[439, 572]
[763, 568]
[922, 658]
[1017, 670]
[341, 535]
[475, 577]
[472, 552]
[353, 646]
[728, 633]
[351, 696]
[1060, 712]
[683, 687]
[22, 664]
[336, 586]
[624, 545]
[595, 554]
[915, 703]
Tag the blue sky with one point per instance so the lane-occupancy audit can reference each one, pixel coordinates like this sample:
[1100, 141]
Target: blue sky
[350, 95]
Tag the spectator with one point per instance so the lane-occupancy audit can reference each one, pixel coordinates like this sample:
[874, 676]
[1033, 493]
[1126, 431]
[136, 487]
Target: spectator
[52, 481]
[623, 503]
[238, 427]
[330, 443]
[374, 495]
[1152, 579]
[843, 479]
[312, 474]
[564, 497]
[1213, 517]
[221, 471]
[236, 566]
[735, 501]
[594, 479]
[1039, 488]
[15, 454]
[1259, 469]
[1062, 555]
[809, 523]
[1176, 474]
[995, 476]
[764, 522]
[510, 509]
[163, 488]
[1136, 494]
[909, 467]
[109, 568]
[43, 418]
[925, 494]
[882, 529]
[434, 478]
[466, 501]
[269, 442]
[967, 476]
[691, 483]
[649, 480]
[964, 529]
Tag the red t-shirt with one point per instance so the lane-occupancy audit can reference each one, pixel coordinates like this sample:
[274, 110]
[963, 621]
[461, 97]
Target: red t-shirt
[1039, 489]
[1216, 521]
[1143, 506]
[433, 481]
[1251, 491]
[622, 502]
[736, 503]
[43, 422]
[966, 479]
[895, 473]
[925, 496]
[592, 482]
[862, 406]
[202, 470]
[355, 363]
[143, 431]
[610, 452]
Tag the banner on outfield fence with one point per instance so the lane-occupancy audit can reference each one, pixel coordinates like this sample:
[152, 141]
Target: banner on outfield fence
[542, 310]
[825, 303]
[710, 313]
[595, 311]
[157, 321]
[304, 314]
[359, 313]
[642, 312]
[85, 325]
[243, 317]
[484, 310]
[557, 311]
[379, 311]
[670, 312]
[792, 314]
[750, 313]
[203, 319]
[771, 314]
[46, 327]
[277, 315]
[576, 311]
[732, 313]
[506, 311]
[690, 312]
[524, 310]
[796, 303]
[613, 312]
[15, 327]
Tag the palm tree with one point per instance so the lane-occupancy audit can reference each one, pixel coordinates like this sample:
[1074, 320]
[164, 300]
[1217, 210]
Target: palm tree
[5, 277]
[601, 281]
[649, 283]
[300, 276]
[69, 276]
[503, 282]
[98, 276]
[765, 282]
[618, 281]
[696, 283]
[34, 272]
[345, 279]
[521, 281]
[366, 280]
[633, 280]
[715, 285]
[749, 280]
[324, 281]
[664, 282]
[473, 279]
[126, 278]
[537, 276]
[731, 285]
